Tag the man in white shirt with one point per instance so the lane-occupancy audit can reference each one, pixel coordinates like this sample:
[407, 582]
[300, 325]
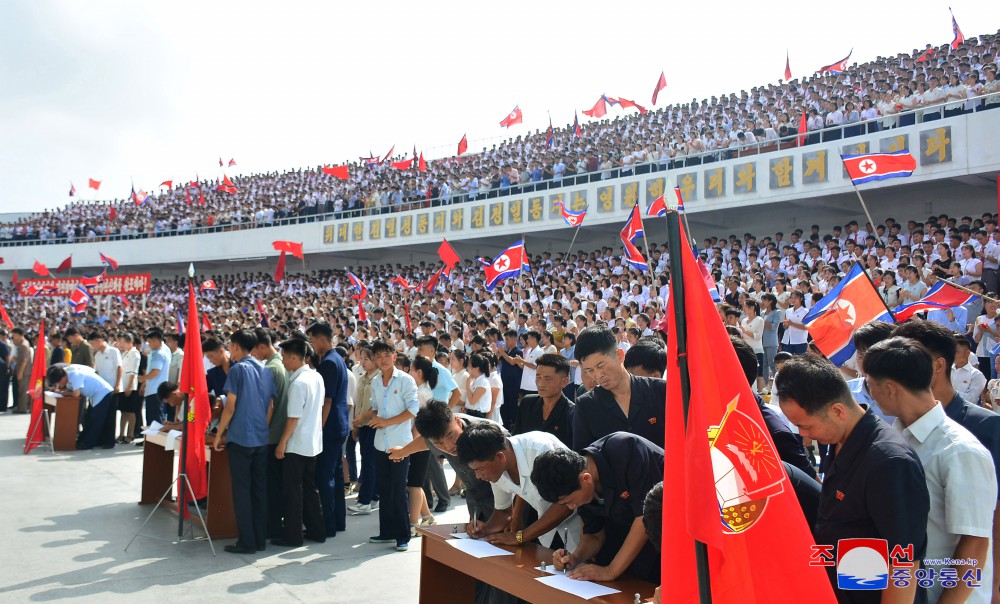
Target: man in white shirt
[507, 462]
[108, 364]
[967, 380]
[961, 477]
[301, 441]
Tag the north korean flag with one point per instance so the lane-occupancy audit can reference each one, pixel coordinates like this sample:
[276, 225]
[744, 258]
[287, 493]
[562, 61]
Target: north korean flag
[658, 208]
[91, 281]
[832, 321]
[509, 263]
[573, 219]
[942, 296]
[362, 289]
[402, 282]
[633, 256]
[79, 299]
[514, 117]
[633, 227]
[869, 167]
[109, 261]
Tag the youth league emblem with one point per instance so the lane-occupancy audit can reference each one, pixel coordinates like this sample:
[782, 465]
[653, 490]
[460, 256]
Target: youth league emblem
[747, 469]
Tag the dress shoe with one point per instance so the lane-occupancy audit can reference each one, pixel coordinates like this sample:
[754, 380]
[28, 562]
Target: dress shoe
[239, 549]
[282, 543]
[441, 507]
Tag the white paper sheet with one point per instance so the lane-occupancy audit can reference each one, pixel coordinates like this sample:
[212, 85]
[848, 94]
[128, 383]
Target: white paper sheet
[460, 536]
[478, 549]
[581, 589]
[549, 569]
[172, 437]
[153, 428]
[53, 394]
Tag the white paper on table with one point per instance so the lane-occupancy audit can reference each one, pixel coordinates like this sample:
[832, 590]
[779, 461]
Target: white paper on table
[460, 536]
[581, 589]
[549, 568]
[172, 437]
[53, 394]
[153, 428]
[478, 549]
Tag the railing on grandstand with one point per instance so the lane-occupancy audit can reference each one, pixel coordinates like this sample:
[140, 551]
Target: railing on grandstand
[316, 214]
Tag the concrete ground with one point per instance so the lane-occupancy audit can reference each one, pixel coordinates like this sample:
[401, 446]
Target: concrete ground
[67, 518]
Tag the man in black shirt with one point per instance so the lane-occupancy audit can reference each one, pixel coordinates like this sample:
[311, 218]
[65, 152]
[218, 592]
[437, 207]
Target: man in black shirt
[549, 410]
[874, 485]
[607, 485]
[787, 443]
[620, 402]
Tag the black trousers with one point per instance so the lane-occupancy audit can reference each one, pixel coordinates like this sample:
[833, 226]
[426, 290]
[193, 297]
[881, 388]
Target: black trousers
[4, 389]
[394, 506]
[248, 471]
[275, 484]
[301, 500]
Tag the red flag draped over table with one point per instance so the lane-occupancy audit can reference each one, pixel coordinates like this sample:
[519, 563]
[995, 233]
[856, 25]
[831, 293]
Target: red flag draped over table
[36, 428]
[337, 172]
[41, 270]
[463, 145]
[65, 265]
[193, 383]
[292, 247]
[727, 485]
[660, 85]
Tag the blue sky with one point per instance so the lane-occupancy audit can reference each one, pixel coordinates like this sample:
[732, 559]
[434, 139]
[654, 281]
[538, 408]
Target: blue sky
[154, 91]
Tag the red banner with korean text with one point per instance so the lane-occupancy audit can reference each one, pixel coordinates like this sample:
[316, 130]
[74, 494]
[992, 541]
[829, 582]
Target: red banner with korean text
[113, 285]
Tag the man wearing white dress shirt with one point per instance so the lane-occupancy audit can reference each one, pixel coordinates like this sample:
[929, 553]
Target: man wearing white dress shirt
[967, 380]
[961, 477]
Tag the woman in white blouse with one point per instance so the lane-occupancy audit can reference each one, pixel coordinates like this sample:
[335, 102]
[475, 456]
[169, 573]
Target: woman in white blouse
[752, 327]
[478, 388]
[131, 399]
[889, 290]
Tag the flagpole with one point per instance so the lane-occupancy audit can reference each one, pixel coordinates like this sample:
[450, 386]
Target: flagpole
[864, 206]
[680, 335]
[645, 243]
[572, 241]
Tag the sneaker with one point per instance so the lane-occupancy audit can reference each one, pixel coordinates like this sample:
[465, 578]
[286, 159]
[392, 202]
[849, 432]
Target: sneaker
[380, 539]
[402, 547]
[360, 509]
[427, 520]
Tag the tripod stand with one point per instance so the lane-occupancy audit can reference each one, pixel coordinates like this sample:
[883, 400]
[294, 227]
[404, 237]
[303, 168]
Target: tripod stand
[184, 489]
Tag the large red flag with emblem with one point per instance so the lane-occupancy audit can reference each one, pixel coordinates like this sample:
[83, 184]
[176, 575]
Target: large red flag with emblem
[727, 485]
[193, 383]
[292, 247]
[514, 117]
[37, 431]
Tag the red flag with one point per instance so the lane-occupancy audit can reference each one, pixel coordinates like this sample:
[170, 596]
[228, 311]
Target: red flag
[421, 164]
[959, 38]
[463, 145]
[600, 109]
[72, 190]
[232, 162]
[388, 155]
[449, 256]
[868, 167]
[124, 301]
[5, 317]
[37, 429]
[400, 281]
[432, 283]
[803, 128]
[109, 261]
[660, 85]
[337, 172]
[279, 271]
[207, 285]
[409, 323]
[167, 183]
[94, 184]
[220, 162]
[788, 68]
[201, 193]
[927, 54]
[625, 103]
[113, 213]
[66, 264]
[837, 67]
[205, 323]
[227, 186]
[41, 269]
[724, 462]
[192, 382]
[403, 165]
[514, 117]
[14, 278]
[292, 247]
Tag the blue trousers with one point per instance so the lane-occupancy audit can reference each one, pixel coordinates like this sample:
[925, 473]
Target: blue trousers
[248, 470]
[93, 423]
[366, 440]
[330, 482]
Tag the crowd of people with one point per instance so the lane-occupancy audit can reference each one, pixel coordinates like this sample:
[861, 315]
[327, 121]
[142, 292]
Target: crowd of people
[540, 393]
[923, 85]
